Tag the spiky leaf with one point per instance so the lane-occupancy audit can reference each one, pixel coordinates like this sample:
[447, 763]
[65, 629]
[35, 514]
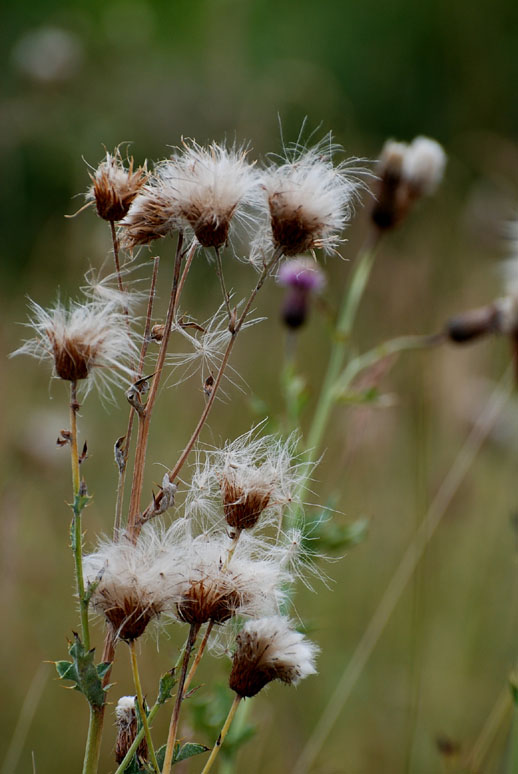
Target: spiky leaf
[84, 673]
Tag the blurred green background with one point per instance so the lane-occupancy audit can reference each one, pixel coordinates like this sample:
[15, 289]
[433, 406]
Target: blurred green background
[83, 75]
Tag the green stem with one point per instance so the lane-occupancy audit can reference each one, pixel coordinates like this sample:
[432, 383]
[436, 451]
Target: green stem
[93, 742]
[341, 342]
[222, 735]
[141, 708]
[136, 742]
[77, 506]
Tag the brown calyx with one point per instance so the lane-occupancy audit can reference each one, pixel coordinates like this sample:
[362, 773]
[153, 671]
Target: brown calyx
[208, 600]
[211, 234]
[129, 619]
[291, 228]
[72, 359]
[125, 738]
[115, 189]
[242, 509]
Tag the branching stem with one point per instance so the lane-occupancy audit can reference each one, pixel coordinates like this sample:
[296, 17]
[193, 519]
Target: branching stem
[267, 270]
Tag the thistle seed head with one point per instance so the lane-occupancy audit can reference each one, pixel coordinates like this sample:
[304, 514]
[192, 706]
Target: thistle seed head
[115, 186]
[216, 587]
[270, 649]
[253, 477]
[89, 342]
[211, 186]
[310, 200]
[132, 584]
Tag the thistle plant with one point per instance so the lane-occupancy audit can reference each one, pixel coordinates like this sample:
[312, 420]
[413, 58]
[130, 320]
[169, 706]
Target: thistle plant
[215, 554]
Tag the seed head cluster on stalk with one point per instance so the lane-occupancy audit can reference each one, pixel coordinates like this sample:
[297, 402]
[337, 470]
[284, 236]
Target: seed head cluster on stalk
[233, 545]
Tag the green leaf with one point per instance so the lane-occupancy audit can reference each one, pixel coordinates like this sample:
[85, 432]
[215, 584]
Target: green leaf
[181, 752]
[513, 685]
[166, 685]
[82, 671]
[187, 751]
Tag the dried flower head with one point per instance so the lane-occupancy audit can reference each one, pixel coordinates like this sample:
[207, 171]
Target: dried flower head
[309, 198]
[302, 276]
[252, 477]
[89, 342]
[270, 649]
[219, 584]
[131, 584]
[153, 215]
[127, 729]
[406, 173]
[115, 186]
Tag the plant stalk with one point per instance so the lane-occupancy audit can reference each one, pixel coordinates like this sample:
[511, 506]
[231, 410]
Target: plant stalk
[173, 727]
[77, 535]
[197, 658]
[222, 735]
[341, 343]
[141, 708]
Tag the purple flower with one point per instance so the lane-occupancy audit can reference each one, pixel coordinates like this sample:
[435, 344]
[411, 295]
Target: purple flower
[302, 276]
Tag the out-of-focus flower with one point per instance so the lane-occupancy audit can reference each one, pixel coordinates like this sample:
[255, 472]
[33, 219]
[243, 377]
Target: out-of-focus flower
[48, 54]
[302, 277]
[270, 649]
[406, 173]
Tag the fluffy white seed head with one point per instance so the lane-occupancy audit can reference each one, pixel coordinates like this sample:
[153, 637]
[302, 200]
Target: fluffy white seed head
[219, 584]
[423, 165]
[309, 198]
[270, 649]
[87, 342]
[210, 186]
[132, 584]
[251, 478]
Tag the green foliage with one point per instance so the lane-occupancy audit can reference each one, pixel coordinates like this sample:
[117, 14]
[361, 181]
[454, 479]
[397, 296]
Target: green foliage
[166, 685]
[85, 675]
[323, 534]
